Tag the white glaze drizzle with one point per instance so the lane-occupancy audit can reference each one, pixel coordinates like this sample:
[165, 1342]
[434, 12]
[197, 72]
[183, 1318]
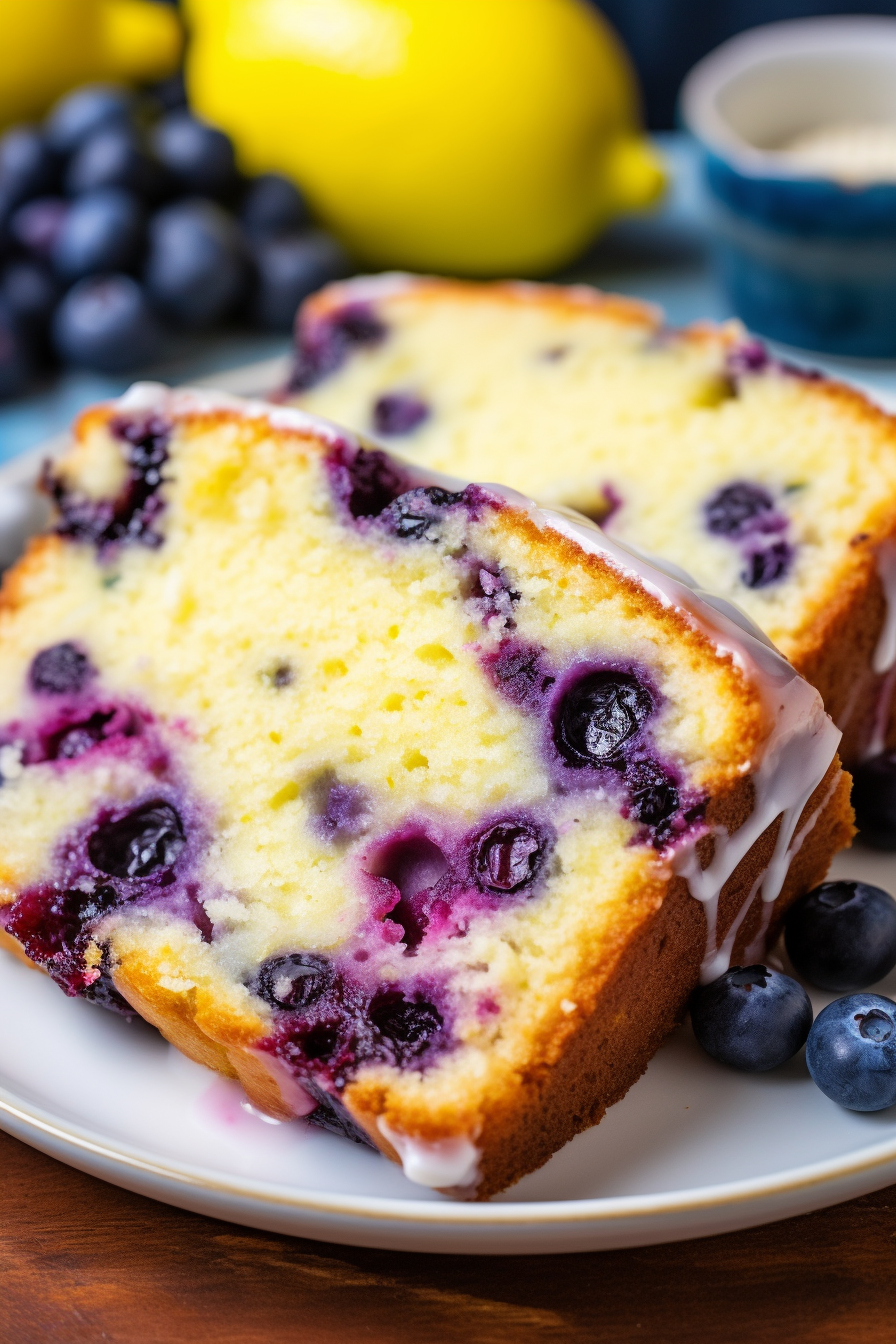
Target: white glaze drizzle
[802, 741]
[796, 756]
[441, 1165]
[885, 652]
[878, 739]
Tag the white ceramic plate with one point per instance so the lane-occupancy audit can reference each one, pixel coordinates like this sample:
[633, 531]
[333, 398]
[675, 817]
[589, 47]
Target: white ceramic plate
[693, 1149]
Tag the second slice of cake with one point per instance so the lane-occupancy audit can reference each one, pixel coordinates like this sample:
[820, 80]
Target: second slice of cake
[415, 807]
[774, 487]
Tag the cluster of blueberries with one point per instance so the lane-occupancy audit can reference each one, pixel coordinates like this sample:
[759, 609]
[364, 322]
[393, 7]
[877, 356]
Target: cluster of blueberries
[840, 937]
[124, 216]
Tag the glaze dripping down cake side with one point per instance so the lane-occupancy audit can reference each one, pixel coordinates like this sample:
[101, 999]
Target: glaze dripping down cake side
[775, 488]
[386, 794]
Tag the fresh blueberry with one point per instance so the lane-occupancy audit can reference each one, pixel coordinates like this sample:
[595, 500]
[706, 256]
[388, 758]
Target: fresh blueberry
[413, 514]
[27, 165]
[842, 935]
[37, 225]
[196, 270]
[85, 111]
[105, 323]
[139, 843]
[293, 981]
[397, 413]
[851, 1052]
[735, 508]
[61, 669]
[508, 857]
[598, 715]
[767, 564]
[103, 231]
[16, 356]
[408, 1026]
[273, 206]
[114, 158]
[199, 157]
[874, 800]
[288, 269]
[324, 342]
[752, 1018]
[29, 294]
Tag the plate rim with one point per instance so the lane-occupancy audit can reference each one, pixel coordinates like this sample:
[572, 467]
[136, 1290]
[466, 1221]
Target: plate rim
[16, 1111]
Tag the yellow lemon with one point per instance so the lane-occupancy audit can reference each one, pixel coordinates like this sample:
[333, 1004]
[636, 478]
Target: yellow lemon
[48, 46]
[473, 136]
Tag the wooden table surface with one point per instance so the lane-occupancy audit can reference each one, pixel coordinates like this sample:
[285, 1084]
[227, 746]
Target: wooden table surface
[82, 1262]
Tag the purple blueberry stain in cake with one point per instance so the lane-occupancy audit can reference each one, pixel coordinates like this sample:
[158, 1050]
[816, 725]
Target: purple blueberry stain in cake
[134, 515]
[398, 413]
[749, 356]
[520, 673]
[72, 726]
[140, 843]
[365, 481]
[54, 926]
[508, 857]
[324, 342]
[414, 866]
[739, 508]
[767, 564]
[61, 669]
[416, 514]
[339, 812]
[407, 1024]
[293, 981]
[490, 594]
[747, 515]
[597, 715]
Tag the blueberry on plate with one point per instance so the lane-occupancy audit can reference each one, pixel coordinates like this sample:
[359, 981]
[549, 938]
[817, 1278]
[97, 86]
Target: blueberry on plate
[105, 323]
[874, 799]
[752, 1018]
[196, 269]
[288, 270]
[199, 157]
[272, 206]
[27, 165]
[851, 1052]
[80, 114]
[842, 935]
[103, 231]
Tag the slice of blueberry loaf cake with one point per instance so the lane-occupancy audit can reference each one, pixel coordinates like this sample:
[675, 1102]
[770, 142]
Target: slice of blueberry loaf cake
[416, 808]
[775, 488]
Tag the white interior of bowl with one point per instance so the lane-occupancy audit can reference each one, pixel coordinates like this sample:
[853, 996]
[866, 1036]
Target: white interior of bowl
[757, 91]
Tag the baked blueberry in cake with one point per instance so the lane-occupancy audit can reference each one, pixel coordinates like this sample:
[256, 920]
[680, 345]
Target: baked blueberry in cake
[774, 487]
[413, 806]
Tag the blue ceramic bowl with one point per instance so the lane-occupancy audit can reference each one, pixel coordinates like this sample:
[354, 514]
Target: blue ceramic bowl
[806, 259]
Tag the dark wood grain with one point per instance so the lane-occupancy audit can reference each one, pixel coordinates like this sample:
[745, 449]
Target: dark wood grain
[83, 1262]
